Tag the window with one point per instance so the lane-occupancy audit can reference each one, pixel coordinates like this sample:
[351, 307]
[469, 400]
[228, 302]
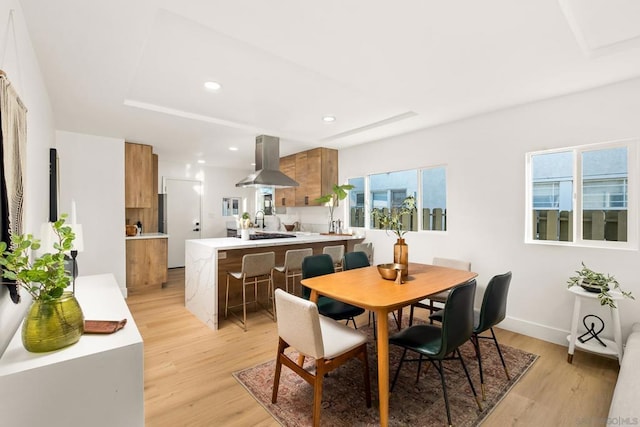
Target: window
[356, 203]
[583, 195]
[388, 190]
[434, 199]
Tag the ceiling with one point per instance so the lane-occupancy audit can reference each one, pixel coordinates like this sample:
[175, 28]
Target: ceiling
[136, 69]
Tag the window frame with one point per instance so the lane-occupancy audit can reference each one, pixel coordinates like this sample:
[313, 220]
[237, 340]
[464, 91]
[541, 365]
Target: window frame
[577, 196]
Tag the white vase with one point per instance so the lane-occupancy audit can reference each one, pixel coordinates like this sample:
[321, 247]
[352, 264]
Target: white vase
[244, 234]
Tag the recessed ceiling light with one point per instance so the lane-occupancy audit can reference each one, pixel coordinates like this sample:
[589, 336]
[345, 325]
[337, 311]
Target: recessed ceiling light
[329, 119]
[233, 148]
[253, 164]
[202, 161]
[212, 85]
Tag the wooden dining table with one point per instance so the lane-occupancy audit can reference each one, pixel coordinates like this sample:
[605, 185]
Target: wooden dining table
[364, 287]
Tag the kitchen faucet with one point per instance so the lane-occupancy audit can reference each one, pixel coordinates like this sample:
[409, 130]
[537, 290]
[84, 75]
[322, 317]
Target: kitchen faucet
[260, 212]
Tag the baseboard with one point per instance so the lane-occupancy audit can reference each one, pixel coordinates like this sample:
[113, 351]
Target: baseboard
[535, 330]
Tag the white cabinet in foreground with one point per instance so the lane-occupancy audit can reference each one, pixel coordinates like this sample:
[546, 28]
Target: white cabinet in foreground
[95, 382]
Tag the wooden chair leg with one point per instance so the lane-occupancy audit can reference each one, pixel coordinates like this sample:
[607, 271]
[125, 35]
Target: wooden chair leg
[276, 377]
[367, 381]
[317, 392]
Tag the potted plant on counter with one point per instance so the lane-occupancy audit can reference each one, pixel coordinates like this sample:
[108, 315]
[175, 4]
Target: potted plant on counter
[54, 319]
[600, 283]
[244, 224]
[332, 199]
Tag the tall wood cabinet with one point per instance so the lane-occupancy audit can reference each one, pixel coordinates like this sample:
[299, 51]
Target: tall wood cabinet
[138, 175]
[315, 170]
[147, 255]
[141, 186]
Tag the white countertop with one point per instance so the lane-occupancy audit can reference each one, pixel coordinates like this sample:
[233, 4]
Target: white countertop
[301, 238]
[148, 236]
[100, 299]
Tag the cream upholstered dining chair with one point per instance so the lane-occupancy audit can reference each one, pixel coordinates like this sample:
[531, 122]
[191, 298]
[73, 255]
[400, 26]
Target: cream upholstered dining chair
[367, 248]
[292, 266]
[440, 297]
[256, 269]
[330, 343]
[336, 253]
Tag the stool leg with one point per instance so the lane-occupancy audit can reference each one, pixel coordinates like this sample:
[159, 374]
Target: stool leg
[286, 281]
[226, 299]
[244, 303]
[272, 294]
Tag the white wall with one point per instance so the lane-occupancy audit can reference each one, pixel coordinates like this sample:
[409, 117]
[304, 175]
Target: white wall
[218, 183]
[91, 170]
[23, 72]
[485, 158]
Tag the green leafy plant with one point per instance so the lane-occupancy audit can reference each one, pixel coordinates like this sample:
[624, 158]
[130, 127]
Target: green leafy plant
[597, 282]
[391, 220]
[332, 199]
[44, 277]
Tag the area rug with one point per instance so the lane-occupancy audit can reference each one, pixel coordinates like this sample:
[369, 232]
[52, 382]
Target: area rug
[410, 404]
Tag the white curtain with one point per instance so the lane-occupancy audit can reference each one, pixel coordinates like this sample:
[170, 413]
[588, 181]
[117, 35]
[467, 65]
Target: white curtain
[13, 124]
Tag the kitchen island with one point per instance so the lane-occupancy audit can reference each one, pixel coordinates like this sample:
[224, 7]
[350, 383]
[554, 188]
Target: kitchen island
[208, 260]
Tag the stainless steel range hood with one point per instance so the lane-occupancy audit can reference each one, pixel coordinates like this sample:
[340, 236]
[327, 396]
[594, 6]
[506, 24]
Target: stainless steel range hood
[267, 172]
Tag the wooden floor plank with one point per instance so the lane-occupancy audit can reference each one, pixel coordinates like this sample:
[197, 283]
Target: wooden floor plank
[188, 367]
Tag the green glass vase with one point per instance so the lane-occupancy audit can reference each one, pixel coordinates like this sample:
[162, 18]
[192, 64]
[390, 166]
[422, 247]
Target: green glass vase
[51, 325]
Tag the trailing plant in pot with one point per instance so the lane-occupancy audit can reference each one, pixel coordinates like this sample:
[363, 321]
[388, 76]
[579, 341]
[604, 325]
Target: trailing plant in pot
[54, 319]
[332, 200]
[392, 220]
[599, 283]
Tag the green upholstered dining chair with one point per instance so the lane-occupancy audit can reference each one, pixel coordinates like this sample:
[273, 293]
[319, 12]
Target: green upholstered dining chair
[440, 297]
[355, 259]
[437, 344]
[319, 265]
[330, 343]
[492, 311]
[366, 248]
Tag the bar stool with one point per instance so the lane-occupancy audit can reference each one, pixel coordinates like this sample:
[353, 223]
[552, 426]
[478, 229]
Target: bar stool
[336, 253]
[367, 248]
[292, 267]
[256, 268]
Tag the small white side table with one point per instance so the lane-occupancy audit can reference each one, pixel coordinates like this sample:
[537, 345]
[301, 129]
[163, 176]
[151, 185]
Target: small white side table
[612, 348]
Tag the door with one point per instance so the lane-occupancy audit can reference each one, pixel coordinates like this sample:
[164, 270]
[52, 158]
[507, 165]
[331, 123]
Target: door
[183, 215]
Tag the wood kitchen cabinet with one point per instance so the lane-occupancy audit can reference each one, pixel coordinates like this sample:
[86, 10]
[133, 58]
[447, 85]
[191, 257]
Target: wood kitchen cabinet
[315, 170]
[138, 175]
[146, 263]
[287, 196]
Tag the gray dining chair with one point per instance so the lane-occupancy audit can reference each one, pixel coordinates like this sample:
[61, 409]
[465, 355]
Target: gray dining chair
[292, 267]
[441, 297]
[336, 253]
[256, 269]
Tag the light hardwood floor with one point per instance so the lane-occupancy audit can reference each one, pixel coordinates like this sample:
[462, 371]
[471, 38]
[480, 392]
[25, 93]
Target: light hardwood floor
[188, 382]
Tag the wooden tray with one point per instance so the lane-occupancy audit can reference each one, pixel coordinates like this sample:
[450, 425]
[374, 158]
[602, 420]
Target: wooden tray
[103, 326]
